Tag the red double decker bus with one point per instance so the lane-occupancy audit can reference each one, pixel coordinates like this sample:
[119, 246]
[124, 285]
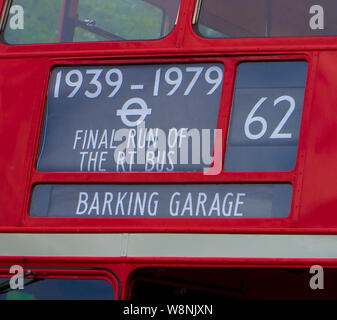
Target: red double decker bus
[157, 149]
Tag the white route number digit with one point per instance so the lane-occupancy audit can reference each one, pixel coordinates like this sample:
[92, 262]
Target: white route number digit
[258, 119]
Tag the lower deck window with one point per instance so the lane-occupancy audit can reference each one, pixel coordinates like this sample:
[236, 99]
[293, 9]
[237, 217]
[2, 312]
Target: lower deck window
[256, 283]
[61, 289]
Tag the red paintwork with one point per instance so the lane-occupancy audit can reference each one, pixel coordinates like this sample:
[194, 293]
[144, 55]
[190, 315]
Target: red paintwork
[24, 72]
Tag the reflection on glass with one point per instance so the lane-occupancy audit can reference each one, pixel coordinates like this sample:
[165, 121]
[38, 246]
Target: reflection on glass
[267, 18]
[52, 21]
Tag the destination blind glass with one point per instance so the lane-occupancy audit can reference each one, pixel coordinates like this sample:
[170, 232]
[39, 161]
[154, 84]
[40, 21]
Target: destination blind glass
[176, 201]
[266, 116]
[146, 118]
[267, 18]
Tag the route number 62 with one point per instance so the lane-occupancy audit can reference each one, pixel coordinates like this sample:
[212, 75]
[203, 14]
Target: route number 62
[258, 119]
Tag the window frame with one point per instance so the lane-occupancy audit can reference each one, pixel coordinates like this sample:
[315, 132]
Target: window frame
[293, 177]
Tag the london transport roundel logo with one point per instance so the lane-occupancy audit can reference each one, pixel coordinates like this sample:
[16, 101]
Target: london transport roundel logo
[125, 112]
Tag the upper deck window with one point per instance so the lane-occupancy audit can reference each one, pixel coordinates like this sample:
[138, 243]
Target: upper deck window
[267, 18]
[54, 21]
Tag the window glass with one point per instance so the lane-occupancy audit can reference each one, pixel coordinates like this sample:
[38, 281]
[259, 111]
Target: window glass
[266, 116]
[267, 18]
[210, 33]
[246, 284]
[170, 201]
[52, 21]
[131, 118]
[61, 289]
[159, 291]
